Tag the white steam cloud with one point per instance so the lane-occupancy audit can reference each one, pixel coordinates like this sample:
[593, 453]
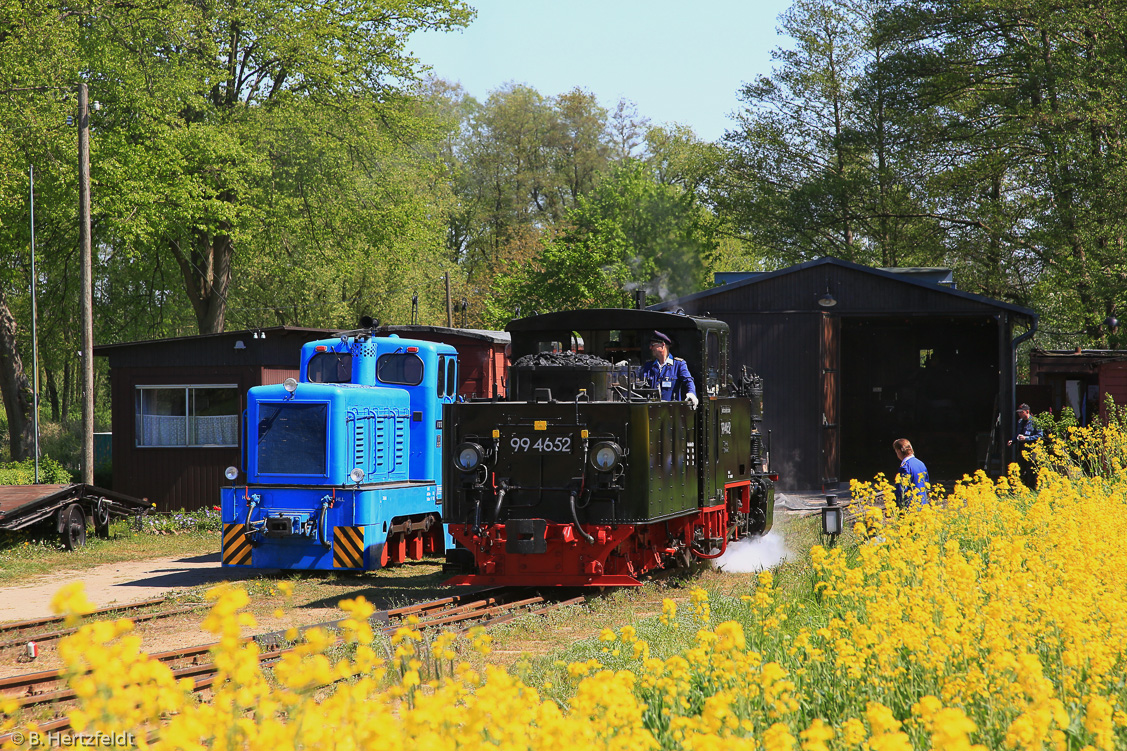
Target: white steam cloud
[753, 554]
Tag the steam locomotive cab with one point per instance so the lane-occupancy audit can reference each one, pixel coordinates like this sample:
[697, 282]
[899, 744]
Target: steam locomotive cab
[584, 477]
[343, 465]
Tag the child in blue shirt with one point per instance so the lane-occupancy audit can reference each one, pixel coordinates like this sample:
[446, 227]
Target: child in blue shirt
[911, 482]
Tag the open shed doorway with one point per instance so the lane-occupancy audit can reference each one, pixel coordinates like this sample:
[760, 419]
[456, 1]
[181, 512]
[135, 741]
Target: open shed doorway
[931, 380]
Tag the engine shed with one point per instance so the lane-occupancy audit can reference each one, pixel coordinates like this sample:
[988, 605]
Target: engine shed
[853, 357]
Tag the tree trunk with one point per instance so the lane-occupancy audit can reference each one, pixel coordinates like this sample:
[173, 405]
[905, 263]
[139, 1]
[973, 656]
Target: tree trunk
[66, 390]
[52, 393]
[206, 268]
[14, 387]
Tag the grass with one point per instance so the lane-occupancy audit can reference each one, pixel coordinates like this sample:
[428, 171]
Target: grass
[39, 553]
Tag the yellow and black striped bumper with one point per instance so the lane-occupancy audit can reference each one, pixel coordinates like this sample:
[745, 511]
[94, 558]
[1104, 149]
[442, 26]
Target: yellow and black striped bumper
[348, 547]
[236, 546]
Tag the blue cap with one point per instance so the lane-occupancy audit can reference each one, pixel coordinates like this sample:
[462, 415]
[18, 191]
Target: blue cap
[660, 337]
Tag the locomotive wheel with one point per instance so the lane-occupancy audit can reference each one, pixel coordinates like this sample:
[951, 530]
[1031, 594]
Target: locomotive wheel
[73, 527]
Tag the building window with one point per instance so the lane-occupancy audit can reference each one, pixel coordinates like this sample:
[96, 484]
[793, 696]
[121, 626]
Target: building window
[187, 415]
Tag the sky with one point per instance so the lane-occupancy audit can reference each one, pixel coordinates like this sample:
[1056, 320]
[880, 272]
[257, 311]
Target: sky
[677, 65]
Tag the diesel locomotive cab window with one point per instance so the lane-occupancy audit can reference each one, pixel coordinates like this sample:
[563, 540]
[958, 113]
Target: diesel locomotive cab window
[187, 415]
[330, 367]
[400, 369]
[451, 377]
[292, 439]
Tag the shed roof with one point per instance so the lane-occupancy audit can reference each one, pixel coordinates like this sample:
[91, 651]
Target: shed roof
[485, 335]
[899, 292]
[276, 345]
[1085, 355]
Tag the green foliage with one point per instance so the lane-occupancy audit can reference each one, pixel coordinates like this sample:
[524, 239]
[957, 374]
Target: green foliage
[23, 473]
[629, 232]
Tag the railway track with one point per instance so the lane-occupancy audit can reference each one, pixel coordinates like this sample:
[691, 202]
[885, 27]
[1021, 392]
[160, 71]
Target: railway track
[19, 633]
[458, 613]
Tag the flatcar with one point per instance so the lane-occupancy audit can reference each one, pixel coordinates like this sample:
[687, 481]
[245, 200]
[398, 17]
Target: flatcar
[582, 476]
[341, 465]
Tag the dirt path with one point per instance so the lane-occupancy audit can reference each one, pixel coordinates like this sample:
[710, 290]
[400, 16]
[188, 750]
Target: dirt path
[117, 583]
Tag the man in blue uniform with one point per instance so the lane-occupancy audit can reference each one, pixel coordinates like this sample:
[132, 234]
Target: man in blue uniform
[670, 375]
[911, 482]
[1027, 434]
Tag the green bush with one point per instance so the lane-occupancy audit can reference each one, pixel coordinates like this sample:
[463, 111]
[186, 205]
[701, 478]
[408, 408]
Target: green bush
[23, 473]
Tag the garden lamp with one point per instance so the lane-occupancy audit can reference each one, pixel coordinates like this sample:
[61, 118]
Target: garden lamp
[831, 517]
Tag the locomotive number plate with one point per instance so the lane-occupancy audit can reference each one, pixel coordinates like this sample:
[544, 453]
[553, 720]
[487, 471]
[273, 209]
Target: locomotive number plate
[560, 444]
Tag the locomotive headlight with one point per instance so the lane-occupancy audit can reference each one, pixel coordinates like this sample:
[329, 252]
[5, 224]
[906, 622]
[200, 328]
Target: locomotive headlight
[605, 456]
[356, 475]
[468, 456]
[231, 473]
[290, 384]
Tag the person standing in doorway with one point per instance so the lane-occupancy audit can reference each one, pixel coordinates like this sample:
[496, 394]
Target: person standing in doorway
[912, 480]
[1027, 434]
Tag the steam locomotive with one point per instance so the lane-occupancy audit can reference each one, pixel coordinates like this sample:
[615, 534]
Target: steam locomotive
[342, 464]
[583, 477]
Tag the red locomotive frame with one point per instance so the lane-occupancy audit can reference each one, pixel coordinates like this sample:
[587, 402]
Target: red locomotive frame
[620, 555]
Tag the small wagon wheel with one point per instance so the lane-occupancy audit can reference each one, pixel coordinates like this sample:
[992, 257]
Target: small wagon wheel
[102, 518]
[74, 527]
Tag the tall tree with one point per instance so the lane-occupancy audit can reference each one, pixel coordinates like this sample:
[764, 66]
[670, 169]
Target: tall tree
[521, 162]
[1025, 104]
[192, 89]
[816, 164]
[630, 232]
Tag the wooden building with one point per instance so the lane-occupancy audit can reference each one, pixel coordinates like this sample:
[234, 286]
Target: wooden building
[177, 407]
[177, 404]
[854, 357]
[1080, 379]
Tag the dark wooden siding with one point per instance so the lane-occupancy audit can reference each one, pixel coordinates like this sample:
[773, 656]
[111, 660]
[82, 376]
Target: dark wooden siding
[784, 350]
[172, 477]
[272, 376]
[831, 396]
[1113, 381]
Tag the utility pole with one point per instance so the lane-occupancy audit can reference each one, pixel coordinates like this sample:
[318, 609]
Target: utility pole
[87, 285]
[34, 318]
[449, 304]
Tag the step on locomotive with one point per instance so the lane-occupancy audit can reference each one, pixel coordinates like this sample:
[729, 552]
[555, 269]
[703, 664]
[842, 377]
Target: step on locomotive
[582, 476]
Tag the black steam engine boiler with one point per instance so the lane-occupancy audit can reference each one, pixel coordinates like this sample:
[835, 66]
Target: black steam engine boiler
[582, 476]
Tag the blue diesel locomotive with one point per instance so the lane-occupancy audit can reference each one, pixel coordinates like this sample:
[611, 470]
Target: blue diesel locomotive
[343, 465]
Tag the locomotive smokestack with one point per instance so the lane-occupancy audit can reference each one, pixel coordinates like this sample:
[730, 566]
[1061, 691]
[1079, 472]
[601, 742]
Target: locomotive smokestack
[640, 298]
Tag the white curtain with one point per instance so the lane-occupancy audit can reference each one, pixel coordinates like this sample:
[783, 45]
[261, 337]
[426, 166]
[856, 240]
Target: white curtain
[220, 430]
[163, 430]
